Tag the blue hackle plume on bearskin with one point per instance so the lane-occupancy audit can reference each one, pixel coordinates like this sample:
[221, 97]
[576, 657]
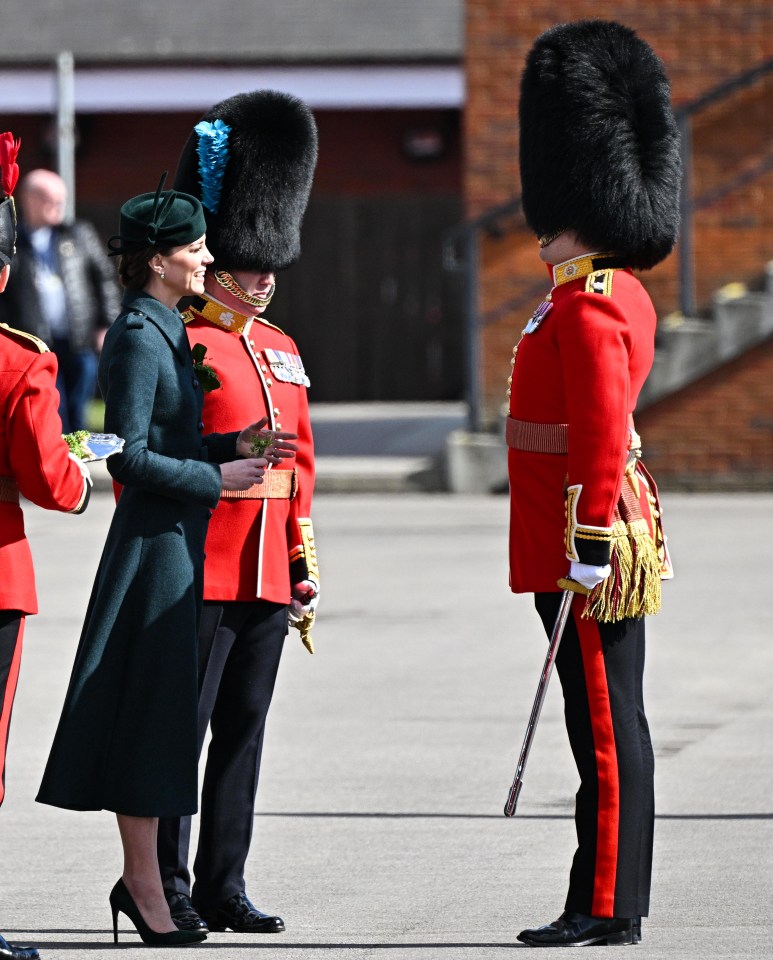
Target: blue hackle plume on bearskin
[213, 157]
[272, 153]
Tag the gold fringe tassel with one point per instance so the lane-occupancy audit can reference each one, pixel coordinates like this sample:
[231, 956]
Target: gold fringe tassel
[633, 587]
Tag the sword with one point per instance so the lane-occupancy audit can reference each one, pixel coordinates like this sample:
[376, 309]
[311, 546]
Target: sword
[570, 588]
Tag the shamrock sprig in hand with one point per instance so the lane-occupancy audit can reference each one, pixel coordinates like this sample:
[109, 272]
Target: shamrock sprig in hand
[261, 441]
[88, 446]
[274, 445]
[76, 443]
[206, 375]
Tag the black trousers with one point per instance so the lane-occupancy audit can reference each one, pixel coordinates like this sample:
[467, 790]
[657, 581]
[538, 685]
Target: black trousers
[601, 668]
[240, 645]
[11, 634]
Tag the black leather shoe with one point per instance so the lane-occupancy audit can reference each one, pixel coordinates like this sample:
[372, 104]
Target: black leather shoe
[183, 914]
[636, 930]
[239, 915]
[578, 930]
[9, 951]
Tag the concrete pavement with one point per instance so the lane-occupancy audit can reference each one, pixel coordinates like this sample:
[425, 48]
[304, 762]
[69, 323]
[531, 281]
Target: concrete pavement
[389, 753]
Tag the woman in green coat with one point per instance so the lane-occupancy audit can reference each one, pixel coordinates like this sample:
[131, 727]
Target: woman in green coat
[127, 738]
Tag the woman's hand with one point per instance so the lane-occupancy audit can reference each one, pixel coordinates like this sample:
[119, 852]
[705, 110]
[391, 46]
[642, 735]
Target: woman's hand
[256, 441]
[244, 440]
[242, 474]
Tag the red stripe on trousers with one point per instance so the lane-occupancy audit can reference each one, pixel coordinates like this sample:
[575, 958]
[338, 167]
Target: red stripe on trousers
[606, 764]
[7, 705]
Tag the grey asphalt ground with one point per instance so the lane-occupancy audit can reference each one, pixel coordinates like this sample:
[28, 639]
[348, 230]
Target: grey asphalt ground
[389, 753]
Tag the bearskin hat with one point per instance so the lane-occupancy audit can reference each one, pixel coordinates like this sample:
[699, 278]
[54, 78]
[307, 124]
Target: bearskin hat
[251, 162]
[599, 145]
[9, 175]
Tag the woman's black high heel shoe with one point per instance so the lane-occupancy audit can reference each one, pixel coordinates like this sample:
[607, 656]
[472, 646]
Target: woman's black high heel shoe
[122, 901]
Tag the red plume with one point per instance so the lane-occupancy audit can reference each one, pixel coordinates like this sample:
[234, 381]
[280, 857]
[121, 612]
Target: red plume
[9, 168]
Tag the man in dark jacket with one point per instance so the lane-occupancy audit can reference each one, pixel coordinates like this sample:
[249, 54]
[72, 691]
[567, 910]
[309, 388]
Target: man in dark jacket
[63, 290]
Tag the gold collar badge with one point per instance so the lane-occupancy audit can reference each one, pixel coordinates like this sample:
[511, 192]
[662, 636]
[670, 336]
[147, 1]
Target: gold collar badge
[219, 315]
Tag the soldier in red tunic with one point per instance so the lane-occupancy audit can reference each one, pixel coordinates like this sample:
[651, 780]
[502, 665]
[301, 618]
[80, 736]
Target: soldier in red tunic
[34, 461]
[251, 160]
[600, 174]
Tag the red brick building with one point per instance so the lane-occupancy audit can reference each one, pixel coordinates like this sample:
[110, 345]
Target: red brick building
[718, 431]
[704, 43]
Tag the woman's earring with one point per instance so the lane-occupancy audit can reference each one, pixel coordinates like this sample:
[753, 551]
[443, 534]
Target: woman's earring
[162, 275]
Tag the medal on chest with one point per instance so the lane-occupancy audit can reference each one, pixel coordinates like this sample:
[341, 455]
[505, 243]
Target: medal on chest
[538, 316]
[287, 367]
[532, 326]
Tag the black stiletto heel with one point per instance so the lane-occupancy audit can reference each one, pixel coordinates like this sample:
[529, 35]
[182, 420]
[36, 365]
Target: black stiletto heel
[122, 901]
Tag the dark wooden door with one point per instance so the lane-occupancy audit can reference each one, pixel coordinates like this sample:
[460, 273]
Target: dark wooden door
[368, 303]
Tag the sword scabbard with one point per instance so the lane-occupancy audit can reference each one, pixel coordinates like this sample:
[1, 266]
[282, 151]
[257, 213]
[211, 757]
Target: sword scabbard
[547, 669]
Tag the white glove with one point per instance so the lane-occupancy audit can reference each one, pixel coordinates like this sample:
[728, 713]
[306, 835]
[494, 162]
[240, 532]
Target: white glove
[588, 575]
[305, 597]
[83, 468]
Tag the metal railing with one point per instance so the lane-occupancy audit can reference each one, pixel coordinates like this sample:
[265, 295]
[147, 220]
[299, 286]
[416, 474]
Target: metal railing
[461, 254]
[461, 246]
[688, 203]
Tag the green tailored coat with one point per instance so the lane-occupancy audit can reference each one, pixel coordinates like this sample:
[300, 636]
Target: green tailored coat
[126, 739]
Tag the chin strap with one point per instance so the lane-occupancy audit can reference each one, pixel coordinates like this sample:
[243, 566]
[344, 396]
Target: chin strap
[233, 287]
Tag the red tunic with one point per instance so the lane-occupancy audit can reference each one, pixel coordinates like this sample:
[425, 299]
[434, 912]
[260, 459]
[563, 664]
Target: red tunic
[33, 459]
[249, 541]
[583, 366]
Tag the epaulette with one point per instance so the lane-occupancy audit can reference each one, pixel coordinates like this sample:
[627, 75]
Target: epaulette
[267, 324]
[35, 342]
[188, 315]
[135, 321]
[600, 281]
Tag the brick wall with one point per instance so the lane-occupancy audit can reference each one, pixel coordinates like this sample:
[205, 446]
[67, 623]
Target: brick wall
[718, 432]
[702, 42]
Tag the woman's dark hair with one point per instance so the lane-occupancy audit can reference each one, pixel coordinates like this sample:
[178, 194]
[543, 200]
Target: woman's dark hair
[133, 269]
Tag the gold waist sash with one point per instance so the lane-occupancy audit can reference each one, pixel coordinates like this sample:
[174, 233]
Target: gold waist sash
[277, 485]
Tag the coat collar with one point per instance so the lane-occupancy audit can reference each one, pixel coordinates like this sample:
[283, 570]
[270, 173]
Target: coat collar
[169, 322]
[581, 266]
[212, 310]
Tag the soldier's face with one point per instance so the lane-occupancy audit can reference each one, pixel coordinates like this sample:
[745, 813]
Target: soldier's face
[255, 284]
[564, 247]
